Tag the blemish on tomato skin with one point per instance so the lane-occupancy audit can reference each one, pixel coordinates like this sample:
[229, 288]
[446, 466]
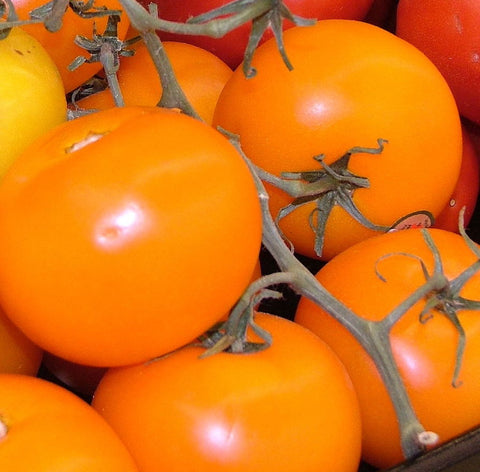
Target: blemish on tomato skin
[90, 138]
[18, 52]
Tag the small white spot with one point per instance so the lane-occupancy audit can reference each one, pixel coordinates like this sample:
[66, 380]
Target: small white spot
[89, 139]
[3, 430]
[428, 438]
[475, 57]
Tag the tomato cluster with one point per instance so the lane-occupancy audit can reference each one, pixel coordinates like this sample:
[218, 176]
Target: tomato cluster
[218, 261]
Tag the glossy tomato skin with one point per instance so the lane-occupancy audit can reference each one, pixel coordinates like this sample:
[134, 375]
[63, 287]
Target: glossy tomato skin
[32, 94]
[200, 74]
[231, 47]
[60, 44]
[287, 408]
[49, 428]
[447, 32]
[351, 84]
[424, 352]
[466, 191]
[147, 230]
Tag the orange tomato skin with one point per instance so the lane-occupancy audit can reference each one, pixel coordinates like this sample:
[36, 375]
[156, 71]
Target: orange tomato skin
[60, 44]
[142, 238]
[424, 352]
[351, 84]
[287, 408]
[200, 74]
[18, 354]
[49, 428]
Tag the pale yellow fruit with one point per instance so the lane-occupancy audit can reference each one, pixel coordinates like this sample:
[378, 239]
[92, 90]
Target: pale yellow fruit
[32, 96]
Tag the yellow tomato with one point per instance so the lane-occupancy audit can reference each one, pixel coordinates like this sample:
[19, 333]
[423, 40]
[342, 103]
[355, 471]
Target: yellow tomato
[32, 96]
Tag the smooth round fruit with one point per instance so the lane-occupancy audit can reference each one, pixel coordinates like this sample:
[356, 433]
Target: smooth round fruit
[32, 95]
[132, 230]
[44, 427]
[447, 32]
[288, 408]
[425, 352]
[200, 74]
[352, 83]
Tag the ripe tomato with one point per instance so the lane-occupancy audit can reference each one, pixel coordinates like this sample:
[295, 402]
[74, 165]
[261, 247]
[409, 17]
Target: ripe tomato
[200, 74]
[44, 427]
[18, 355]
[425, 352]
[33, 98]
[60, 44]
[132, 230]
[466, 191]
[290, 408]
[352, 83]
[231, 47]
[447, 32]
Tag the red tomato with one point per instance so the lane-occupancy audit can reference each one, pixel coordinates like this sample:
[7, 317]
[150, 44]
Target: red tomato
[351, 84]
[288, 408]
[61, 45]
[132, 230]
[425, 352]
[44, 427]
[447, 32]
[466, 191]
[231, 47]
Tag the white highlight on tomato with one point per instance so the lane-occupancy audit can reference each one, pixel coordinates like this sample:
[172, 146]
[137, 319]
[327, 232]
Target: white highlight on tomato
[3, 430]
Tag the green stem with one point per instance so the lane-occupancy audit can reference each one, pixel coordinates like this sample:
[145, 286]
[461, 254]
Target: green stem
[373, 336]
[172, 94]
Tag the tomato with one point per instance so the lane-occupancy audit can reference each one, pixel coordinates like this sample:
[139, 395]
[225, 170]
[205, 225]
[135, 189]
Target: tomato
[33, 98]
[352, 83]
[61, 45]
[425, 352]
[200, 74]
[132, 230]
[44, 427]
[288, 408]
[18, 355]
[466, 191]
[231, 47]
[447, 33]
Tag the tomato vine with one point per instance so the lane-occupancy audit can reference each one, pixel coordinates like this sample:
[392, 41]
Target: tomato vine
[373, 336]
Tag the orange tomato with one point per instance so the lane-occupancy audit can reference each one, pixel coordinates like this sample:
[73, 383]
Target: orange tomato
[200, 74]
[425, 352]
[351, 84]
[288, 408]
[44, 427]
[18, 355]
[60, 44]
[132, 230]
